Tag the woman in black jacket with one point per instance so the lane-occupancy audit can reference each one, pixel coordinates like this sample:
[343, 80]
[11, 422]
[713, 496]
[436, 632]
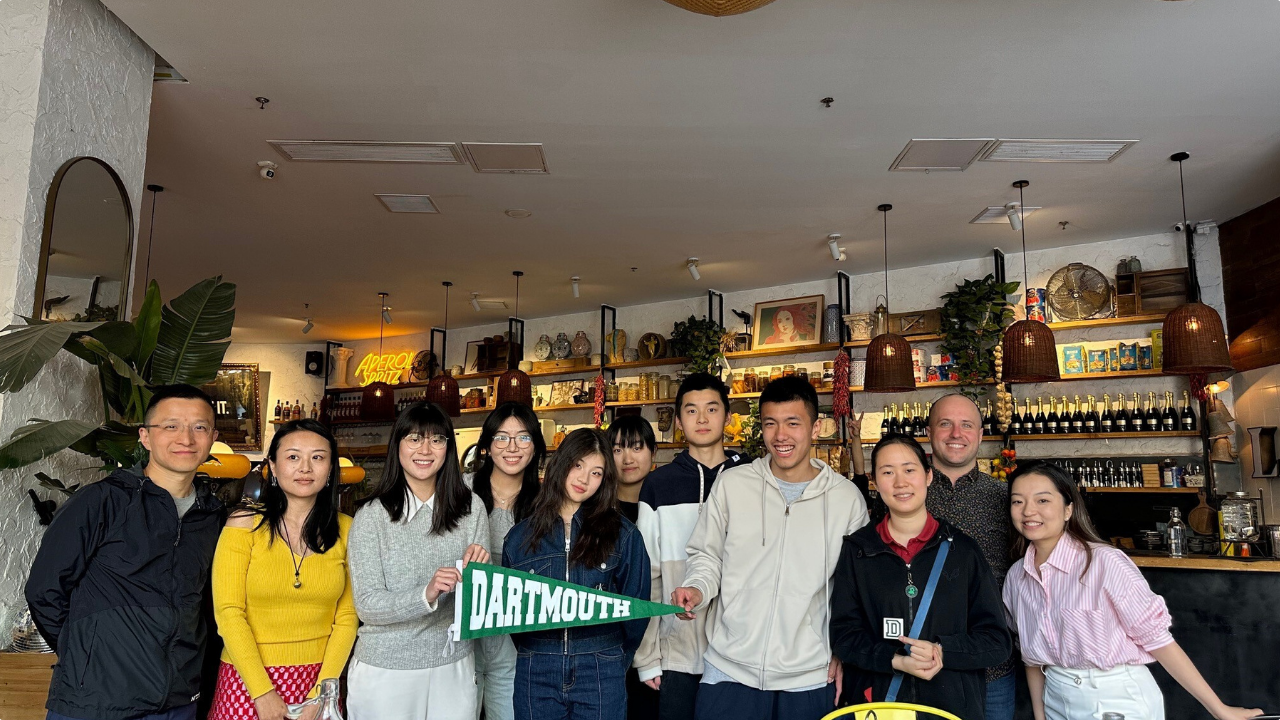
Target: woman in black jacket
[880, 582]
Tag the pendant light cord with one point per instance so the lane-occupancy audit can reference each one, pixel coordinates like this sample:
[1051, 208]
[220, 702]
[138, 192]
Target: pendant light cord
[382, 320]
[151, 232]
[1022, 215]
[1188, 236]
[885, 213]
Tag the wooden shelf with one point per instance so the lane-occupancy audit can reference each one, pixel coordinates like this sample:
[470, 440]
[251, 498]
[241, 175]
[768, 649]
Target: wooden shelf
[365, 451]
[558, 408]
[655, 362]
[752, 396]
[360, 421]
[934, 384]
[638, 403]
[1120, 375]
[775, 352]
[1144, 319]
[912, 339]
[1181, 490]
[1111, 436]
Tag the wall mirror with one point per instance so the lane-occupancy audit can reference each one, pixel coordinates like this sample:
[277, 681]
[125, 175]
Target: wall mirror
[88, 239]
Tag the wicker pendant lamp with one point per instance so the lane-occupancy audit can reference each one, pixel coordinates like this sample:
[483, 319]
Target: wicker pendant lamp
[719, 8]
[1029, 349]
[888, 355]
[443, 388]
[1195, 342]
[515, 385]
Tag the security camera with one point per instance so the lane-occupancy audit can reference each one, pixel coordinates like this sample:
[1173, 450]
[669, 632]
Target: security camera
[1179, 227]
[267, 169]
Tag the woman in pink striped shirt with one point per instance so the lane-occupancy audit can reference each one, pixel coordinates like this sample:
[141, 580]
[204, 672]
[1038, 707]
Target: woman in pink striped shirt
[1087, 620]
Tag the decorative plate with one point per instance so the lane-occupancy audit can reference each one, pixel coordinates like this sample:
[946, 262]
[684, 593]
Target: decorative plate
[652, 346]
[542, 350]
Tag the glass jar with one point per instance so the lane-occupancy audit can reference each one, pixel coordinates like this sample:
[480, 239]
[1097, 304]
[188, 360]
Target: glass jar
[644, 387]
[749, 381]
[737, 386]
[669, 386]
[1240, 518]
[788, 370]
[611, 391]
[828, 375]
[774, 373]
[815, 379]
[802, 373]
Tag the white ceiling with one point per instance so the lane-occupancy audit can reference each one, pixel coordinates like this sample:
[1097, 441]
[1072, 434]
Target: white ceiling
[671, 135]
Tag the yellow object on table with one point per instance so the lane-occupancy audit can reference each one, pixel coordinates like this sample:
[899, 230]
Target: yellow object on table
[887, 711]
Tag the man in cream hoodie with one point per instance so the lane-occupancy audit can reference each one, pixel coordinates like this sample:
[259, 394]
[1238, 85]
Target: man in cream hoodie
[766, 546]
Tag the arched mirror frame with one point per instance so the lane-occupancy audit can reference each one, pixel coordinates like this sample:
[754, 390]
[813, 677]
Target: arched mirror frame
[50, 206]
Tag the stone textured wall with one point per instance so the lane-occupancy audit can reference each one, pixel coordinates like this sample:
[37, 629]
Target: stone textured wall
[74, 81]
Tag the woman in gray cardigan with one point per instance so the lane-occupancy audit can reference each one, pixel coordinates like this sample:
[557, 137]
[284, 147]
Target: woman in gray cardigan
[404, 543]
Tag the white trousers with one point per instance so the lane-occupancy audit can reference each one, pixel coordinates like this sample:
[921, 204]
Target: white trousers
[447, 692]
[1087, 694]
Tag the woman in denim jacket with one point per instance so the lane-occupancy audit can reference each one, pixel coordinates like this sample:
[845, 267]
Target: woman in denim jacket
[579, 672]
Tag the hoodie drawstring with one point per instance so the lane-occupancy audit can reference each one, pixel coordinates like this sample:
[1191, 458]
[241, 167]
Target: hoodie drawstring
[702, 490]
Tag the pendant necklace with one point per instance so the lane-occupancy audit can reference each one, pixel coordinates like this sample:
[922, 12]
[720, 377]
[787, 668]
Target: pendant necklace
[297, 564]
[911, 586]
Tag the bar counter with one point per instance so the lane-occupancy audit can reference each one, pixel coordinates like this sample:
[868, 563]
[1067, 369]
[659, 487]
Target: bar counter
[1206, 562]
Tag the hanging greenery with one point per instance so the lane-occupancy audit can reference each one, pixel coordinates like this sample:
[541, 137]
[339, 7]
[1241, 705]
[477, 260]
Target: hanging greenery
[698, 340]
[753, 433]
[974, 316]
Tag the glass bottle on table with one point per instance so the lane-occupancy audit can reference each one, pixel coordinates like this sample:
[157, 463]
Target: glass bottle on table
[1177, 534]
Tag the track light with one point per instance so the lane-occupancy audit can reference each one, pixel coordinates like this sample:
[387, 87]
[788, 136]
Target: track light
[575, 286]
[833, 243]
[386, 315]
[692, 265]
[1014, 212]
[307, 328]
[475, 301]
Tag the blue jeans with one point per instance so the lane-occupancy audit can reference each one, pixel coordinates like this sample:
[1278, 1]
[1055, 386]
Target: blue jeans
[734, 701]
[186, 712]
[586, 686]
[1000, 697]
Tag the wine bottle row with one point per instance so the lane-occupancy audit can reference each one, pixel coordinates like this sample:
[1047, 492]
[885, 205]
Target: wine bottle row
[1090, 416]
[910, 421]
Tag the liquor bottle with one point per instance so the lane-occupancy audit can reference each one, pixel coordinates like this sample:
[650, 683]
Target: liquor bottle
[894, 426]
[315, 411]
[1168, 418]
[884, 424]
[921, 422]
[1015, 422]
[277, 416]
[1077, 417]
[1091, 417]
[297, 410]
[1107, 422]
[1177, 534]
[1137, 419]
[1153, 414]
[988, 422]
[1188, 418]
[1051, 422]
[928, 410]
[1122, 415]
[1041, 425]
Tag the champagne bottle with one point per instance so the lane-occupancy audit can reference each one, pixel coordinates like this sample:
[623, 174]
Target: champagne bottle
[1107, 422]
[1015, 423]
[1137, 418]
[988, 423]
[1153, 414]
[1122, 415]
[1091, 417]
[1168, 418]
[884, 424]
[1077, 417]
[894, 426]
[1041, 425]
[1188, 418]
[928, 410]
[1051, 422]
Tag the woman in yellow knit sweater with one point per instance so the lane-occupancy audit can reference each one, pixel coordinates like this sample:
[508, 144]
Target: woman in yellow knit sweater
[281, 592]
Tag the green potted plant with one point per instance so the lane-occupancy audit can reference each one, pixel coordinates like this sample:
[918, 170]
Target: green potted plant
[973, 317]
[698, 340]
[183, 342]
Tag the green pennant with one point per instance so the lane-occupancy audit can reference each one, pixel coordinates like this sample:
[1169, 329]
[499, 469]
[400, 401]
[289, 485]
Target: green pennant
[495, 600]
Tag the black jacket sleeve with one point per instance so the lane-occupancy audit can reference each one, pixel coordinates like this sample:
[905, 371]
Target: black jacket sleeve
[69, 543]
[988, 642]
[853, 636]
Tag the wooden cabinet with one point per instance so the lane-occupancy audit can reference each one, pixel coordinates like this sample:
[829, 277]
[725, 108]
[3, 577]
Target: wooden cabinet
[24, 684]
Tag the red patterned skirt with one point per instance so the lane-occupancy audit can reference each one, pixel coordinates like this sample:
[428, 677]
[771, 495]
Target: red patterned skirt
[232, 702]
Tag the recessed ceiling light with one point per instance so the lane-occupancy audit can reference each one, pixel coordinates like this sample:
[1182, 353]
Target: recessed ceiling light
[397, 203]
[365, 151]
[518, 213]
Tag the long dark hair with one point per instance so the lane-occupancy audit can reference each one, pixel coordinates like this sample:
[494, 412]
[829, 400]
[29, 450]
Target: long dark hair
[600, 519]
[452, 498]
[482, 467]
[320, 531]
[1079, 526]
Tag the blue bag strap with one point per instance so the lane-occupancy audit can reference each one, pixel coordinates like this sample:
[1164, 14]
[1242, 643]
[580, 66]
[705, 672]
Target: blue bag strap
[918, 625]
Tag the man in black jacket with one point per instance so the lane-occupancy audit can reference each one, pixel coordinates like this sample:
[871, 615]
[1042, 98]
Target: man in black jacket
[117, 584]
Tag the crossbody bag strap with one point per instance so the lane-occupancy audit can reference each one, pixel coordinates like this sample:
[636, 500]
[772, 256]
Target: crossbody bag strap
[918, 625]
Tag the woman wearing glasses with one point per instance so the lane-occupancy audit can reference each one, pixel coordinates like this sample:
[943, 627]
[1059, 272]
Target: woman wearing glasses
[505, 478]
[419, 521]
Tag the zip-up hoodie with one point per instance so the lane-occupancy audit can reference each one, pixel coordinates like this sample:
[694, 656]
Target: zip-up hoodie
[671, 501]
[771, 566]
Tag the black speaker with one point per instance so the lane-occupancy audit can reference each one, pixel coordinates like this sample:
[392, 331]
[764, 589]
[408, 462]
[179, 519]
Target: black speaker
[315, 363]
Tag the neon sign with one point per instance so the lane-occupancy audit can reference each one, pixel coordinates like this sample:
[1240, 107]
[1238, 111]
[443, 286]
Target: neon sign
[387, 368]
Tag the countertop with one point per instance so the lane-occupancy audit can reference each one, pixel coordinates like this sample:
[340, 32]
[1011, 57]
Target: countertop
[1206, 562]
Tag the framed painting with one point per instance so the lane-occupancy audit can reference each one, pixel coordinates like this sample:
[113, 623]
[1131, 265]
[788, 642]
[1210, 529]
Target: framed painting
[475, 358]
[237, 406]
[562, 391]
[795, 322]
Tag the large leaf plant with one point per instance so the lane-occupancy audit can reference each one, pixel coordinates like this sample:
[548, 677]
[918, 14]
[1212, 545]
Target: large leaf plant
[974, 316]
[183, 342]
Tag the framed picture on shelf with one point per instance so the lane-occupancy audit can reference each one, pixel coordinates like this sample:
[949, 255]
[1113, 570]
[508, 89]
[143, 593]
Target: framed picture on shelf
[475, 358]
[920, 322]
[795, 322]
[562, 391]
[237, 406]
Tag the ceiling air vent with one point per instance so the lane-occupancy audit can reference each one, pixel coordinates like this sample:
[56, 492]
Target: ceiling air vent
[999, 215]
[1096, 151]
[506, 157]
[368, 151]
[407, 203]
[940, 154]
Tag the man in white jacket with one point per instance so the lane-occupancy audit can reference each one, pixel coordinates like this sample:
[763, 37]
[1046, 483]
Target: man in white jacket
[766, 546]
